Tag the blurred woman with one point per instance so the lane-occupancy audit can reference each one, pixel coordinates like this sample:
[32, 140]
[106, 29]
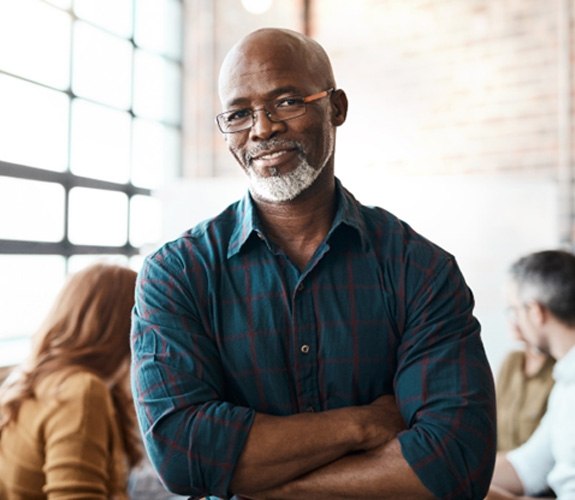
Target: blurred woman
[67, 427]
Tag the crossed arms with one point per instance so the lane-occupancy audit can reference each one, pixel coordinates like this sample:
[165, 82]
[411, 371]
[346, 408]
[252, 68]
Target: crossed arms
[346, 453]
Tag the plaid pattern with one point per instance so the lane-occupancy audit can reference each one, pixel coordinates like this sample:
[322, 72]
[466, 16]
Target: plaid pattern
[225, 325]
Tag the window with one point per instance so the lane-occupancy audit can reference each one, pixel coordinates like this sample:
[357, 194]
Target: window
[90, 100]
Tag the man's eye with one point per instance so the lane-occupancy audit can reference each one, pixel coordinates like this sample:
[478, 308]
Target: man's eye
[240, 114]
[288, 102]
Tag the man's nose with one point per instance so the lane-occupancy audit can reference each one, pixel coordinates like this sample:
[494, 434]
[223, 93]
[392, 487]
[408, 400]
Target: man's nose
[264, 127]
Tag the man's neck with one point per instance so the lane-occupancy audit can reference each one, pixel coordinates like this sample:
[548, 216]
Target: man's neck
[298, 227]
[562, 341]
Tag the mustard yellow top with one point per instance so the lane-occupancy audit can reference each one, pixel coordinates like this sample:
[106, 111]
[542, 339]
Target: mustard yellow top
[521, 400]
[65, 444]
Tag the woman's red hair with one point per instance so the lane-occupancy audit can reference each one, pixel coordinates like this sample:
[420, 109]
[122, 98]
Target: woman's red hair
[88, 328]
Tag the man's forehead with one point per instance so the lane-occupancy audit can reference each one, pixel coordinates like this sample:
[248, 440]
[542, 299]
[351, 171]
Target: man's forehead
[261, 61]
[260, 79]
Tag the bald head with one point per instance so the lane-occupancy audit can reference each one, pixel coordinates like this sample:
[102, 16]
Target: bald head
[275, 50]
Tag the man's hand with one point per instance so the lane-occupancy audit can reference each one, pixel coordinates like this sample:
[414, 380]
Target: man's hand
[383, 422]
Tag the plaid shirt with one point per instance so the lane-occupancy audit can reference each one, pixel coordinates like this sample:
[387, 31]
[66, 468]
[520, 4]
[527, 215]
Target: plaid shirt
[225, 325]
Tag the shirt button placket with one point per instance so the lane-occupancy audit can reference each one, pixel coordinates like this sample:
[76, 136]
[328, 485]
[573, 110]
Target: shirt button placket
[303, 306]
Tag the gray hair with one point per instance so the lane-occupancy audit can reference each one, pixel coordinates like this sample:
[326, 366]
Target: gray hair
[548, 278]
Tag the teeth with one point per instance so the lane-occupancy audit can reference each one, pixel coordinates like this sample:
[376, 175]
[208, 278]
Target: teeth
[270, 156]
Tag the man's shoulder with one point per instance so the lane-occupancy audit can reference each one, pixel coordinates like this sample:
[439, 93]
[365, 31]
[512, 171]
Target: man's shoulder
[392, 234]
[207, 234]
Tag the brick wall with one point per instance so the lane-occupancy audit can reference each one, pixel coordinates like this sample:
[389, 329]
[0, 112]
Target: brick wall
[449, 86]
[435, 86]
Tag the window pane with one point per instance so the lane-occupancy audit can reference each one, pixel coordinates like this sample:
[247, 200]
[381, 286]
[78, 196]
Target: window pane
[102, 66]
[145, 221]
[100, 142]
[79, 262]
[156, 154]
[63, 4]
[98, 217]
[30, 284]
[35, 41]
[113, 15]
[158, 26]
[33, 125]
[136, 262]
[156, 88]
[14, 350]
[31, 210]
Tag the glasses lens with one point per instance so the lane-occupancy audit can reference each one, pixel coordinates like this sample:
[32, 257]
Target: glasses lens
[512, 313]
[234, 121]
[288, 108]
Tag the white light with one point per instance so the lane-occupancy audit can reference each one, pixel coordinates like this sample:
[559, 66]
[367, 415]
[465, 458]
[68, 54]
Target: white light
[257, 6]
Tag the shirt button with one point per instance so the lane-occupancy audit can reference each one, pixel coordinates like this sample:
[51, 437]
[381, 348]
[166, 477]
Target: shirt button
[300, 287]
[305, 348]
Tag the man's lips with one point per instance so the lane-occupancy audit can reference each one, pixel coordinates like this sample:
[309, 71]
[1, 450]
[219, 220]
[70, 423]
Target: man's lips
[273, 158]
[270, 155]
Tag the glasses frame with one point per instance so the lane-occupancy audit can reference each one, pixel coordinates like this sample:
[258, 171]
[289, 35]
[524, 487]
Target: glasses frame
[269, 114]
[512, 311]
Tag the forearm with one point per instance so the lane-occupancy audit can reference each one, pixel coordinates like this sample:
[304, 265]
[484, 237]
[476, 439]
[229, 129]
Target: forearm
[380, 473]
[506, 484]
[496, 493]
[280, 449]
[505, 479]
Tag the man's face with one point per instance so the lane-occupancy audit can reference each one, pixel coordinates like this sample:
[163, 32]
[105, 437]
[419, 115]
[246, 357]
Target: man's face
[522, 324]
[282, 159]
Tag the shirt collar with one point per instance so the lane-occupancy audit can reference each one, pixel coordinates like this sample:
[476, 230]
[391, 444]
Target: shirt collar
[246, 224]
[347, 213]
[564, 369]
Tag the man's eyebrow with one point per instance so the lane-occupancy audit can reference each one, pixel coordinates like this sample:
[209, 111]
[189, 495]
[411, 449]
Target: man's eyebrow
[274, 94]
[286, 90]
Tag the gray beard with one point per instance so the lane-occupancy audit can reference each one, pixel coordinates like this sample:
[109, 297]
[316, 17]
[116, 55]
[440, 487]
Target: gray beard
[280, 188]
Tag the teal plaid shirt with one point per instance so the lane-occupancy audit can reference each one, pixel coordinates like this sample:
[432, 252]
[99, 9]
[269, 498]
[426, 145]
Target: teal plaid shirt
[225, 325]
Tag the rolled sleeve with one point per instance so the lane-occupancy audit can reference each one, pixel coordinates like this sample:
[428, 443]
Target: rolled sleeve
[445, 387]
[193, 437]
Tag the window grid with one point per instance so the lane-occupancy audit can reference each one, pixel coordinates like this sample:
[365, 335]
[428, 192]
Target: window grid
[69, 180]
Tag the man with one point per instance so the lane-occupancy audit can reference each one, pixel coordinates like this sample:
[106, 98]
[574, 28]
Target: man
[301, 345]
[542, 295]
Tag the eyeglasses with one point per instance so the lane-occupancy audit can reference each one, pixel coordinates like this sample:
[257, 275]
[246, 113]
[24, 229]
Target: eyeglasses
[512, 312]
[282, 109]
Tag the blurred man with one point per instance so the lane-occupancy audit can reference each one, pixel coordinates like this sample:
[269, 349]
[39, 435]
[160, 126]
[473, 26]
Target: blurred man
[543, 300]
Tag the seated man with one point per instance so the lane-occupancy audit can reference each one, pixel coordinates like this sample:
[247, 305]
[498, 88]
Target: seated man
[524, 382]
[542, 294]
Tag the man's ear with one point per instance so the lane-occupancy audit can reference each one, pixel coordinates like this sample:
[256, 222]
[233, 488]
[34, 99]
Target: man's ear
[339, 107]
[538, 313]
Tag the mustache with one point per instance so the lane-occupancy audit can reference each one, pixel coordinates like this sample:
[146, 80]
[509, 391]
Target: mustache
[274, 143]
